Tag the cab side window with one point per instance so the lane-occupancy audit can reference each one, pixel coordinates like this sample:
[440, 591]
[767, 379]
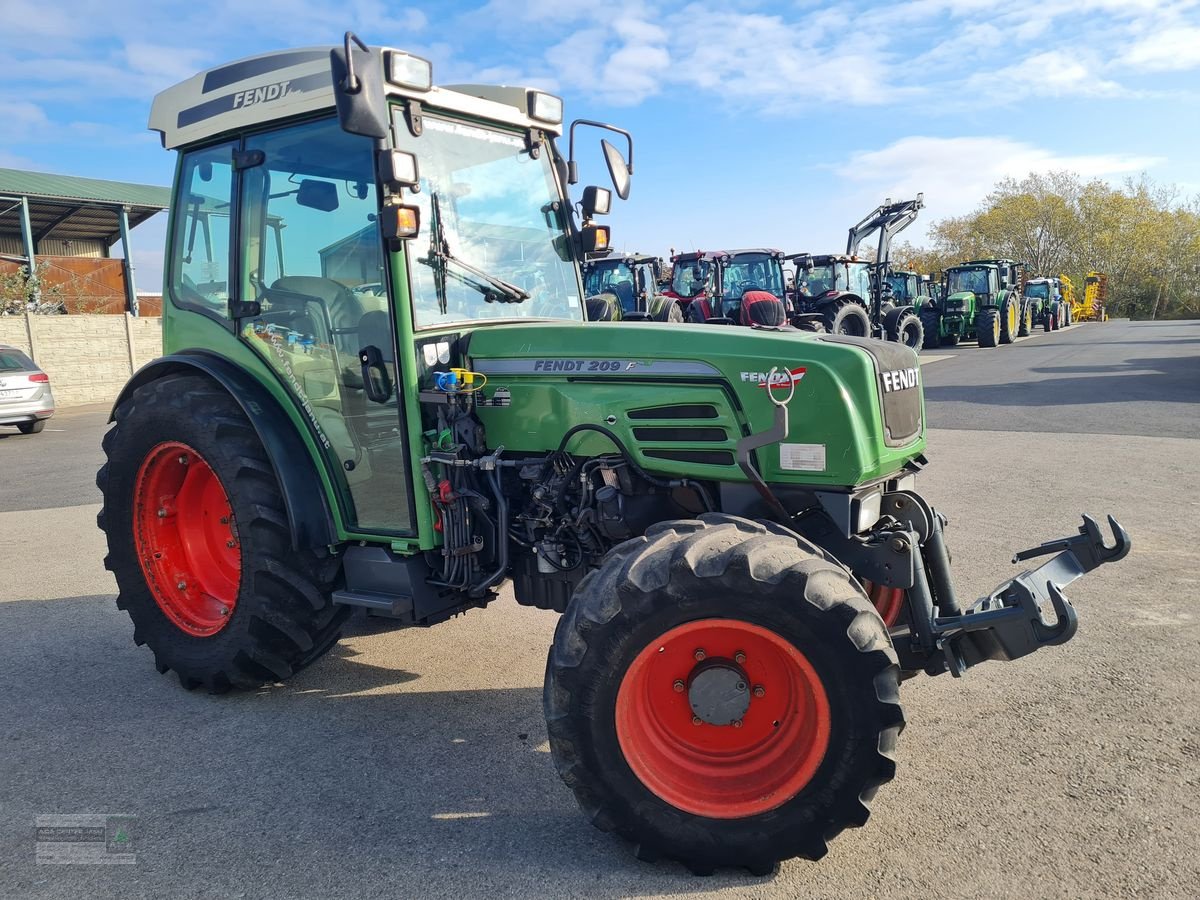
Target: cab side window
[199, 271]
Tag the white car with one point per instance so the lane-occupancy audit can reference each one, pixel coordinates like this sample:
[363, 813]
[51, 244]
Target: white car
[25, 397]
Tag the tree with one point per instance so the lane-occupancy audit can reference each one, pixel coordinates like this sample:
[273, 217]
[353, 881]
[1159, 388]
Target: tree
[20, 294]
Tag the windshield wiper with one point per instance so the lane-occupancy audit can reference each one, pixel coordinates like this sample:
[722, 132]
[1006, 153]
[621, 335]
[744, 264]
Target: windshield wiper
[490, 286]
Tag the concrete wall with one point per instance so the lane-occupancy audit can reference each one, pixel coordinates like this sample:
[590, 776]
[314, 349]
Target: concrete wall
[88, 358]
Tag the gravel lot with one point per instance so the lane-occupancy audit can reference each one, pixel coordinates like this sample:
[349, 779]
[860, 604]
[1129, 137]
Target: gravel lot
[415, 763]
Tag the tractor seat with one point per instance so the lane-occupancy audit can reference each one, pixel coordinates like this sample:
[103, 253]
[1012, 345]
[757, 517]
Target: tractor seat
[763, 309]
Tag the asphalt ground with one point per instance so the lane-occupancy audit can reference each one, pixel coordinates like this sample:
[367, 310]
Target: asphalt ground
[414, 763]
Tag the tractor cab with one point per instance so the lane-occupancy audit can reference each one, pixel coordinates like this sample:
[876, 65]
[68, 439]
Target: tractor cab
[715, 286]
[626, 287]
[905, 287]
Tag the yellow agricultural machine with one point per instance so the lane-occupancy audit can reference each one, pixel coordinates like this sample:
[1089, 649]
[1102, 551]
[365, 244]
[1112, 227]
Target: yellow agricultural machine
[1094, 307]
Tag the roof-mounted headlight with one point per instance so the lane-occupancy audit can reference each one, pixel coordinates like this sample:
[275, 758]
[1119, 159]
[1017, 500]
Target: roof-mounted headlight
[545, 107]
[408, 71]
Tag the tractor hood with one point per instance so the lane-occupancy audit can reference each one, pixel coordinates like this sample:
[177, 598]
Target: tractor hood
[680, 397]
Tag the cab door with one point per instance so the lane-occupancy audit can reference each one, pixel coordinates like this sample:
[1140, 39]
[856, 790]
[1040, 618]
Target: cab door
[312, 274]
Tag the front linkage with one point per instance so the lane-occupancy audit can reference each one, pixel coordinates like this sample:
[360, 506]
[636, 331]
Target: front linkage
[907, 550]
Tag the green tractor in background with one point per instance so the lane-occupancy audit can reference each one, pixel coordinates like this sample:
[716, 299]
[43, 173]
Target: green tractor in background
[402, 409]
[1048, 305]
[981, 301]
[625, 287]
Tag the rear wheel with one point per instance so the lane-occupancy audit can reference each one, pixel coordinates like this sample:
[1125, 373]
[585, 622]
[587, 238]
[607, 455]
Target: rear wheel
[931, 326]
[32, 427]
[910, 332]
[722, 693]
[850, 319]
[987, 327]
[1010, 316]
[1026, 321]
[199, 542]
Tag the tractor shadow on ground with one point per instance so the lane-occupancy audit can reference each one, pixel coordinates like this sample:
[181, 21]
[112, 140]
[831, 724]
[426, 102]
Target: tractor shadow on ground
[1162, 379]
[350, 773]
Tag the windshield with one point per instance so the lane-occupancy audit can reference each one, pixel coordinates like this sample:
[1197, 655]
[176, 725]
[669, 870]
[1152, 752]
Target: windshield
[816, 281]
[689, 277]
[500, 214]
[753, 272]
[904, 287]
[613, 278]
[974, 280]
[1038, 290]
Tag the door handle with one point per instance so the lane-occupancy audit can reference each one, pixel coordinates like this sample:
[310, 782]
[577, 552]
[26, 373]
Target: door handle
[376, 381]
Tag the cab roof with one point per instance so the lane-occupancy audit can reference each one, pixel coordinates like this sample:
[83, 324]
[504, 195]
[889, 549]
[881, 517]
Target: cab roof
[286, 83]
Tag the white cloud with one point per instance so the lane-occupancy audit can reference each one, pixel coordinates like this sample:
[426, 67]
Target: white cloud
[956, 173]
[1173, 49]
[1053, 73]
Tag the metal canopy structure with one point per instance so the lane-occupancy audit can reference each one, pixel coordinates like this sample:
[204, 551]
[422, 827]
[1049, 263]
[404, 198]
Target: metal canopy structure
[35, 206]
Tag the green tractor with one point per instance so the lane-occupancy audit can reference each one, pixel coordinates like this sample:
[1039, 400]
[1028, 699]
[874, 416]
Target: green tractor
[624, 287]
[981, 301]
[1048, 307]
[398, 406]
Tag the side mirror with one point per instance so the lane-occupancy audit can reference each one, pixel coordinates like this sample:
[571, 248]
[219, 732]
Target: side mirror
[357, 73]
[321, 195]
[597, 201]
[594, 238]
[618, 169]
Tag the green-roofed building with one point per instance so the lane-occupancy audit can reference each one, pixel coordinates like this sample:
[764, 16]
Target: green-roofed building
[44, 215]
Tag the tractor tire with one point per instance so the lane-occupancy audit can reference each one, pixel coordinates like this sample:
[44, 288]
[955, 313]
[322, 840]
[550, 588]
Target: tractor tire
[910, 331]
[931, 326]
[198, 540]
[850, 319]
[654, 751]
[1010, 320]
[32, 427]
[987, 328]
[1026, 322]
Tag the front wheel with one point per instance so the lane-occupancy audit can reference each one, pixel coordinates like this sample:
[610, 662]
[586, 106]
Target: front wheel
[931, 325]
[910, 331]
[198, 540]
[850, 319]
[987, 327]
[722, 693]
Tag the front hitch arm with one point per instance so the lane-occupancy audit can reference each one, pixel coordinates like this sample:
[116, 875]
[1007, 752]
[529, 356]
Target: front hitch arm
[1010, 623]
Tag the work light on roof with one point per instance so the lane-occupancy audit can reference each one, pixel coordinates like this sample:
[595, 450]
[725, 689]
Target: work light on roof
[545, 107]
[408, 71]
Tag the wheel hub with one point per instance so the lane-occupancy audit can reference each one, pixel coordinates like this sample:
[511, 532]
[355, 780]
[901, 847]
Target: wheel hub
[719, 693]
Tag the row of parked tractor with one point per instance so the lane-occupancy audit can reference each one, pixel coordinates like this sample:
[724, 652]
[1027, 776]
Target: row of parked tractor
[991, 301]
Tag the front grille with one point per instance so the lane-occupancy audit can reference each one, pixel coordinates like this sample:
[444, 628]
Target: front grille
[676, 411]
[680, 433]
[702, 457]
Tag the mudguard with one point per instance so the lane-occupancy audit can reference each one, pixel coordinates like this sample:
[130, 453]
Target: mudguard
[309, 517]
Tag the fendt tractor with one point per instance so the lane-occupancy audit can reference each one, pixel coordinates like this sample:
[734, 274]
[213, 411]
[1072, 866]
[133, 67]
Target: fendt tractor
[736, 287]
[981, 301]
[624, 287]
[843, 294]
[379, 392]
[1047, 303]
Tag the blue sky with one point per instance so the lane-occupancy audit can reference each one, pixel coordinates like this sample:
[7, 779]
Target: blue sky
[756, 123]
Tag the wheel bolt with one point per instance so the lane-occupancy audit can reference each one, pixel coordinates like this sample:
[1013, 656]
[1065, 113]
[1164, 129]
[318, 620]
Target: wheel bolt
[759, 690]
[224, 610]
[231, 543]
[224, 520]
[162, 513]
[737, 723]
[183, 460]
[696, 720]
[699, 654]
[182, 585]
[679, 686]
[739, 657]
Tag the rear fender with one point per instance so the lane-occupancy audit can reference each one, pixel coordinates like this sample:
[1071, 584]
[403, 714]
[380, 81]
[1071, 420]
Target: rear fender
[892, 319]
[309, 516]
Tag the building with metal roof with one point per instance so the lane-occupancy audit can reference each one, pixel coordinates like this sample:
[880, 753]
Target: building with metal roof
[44, 215]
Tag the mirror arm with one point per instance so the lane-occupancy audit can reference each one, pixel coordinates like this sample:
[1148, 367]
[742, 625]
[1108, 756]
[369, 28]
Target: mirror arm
[571, 164]
[351, 84]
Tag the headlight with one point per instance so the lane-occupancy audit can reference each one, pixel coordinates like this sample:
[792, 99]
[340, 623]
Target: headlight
[545, 107]
[408, 71]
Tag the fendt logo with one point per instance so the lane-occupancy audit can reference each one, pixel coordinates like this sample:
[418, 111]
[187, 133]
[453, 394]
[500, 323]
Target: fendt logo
[899, 380]
[780, 379]
[260, 94]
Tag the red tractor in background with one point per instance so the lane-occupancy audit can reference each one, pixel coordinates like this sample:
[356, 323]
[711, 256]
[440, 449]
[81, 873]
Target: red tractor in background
[736, 287]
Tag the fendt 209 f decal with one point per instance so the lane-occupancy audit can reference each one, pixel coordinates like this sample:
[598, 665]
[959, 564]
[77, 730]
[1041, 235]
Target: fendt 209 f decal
[591, 366]
[899, 380]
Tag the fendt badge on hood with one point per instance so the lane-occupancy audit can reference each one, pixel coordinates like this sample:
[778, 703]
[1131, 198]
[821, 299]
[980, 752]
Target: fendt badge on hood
[898, 380]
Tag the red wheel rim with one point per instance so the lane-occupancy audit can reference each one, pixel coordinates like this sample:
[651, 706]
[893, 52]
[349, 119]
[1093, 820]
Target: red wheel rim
[723, 771]
[888, 601]
[186, 539]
